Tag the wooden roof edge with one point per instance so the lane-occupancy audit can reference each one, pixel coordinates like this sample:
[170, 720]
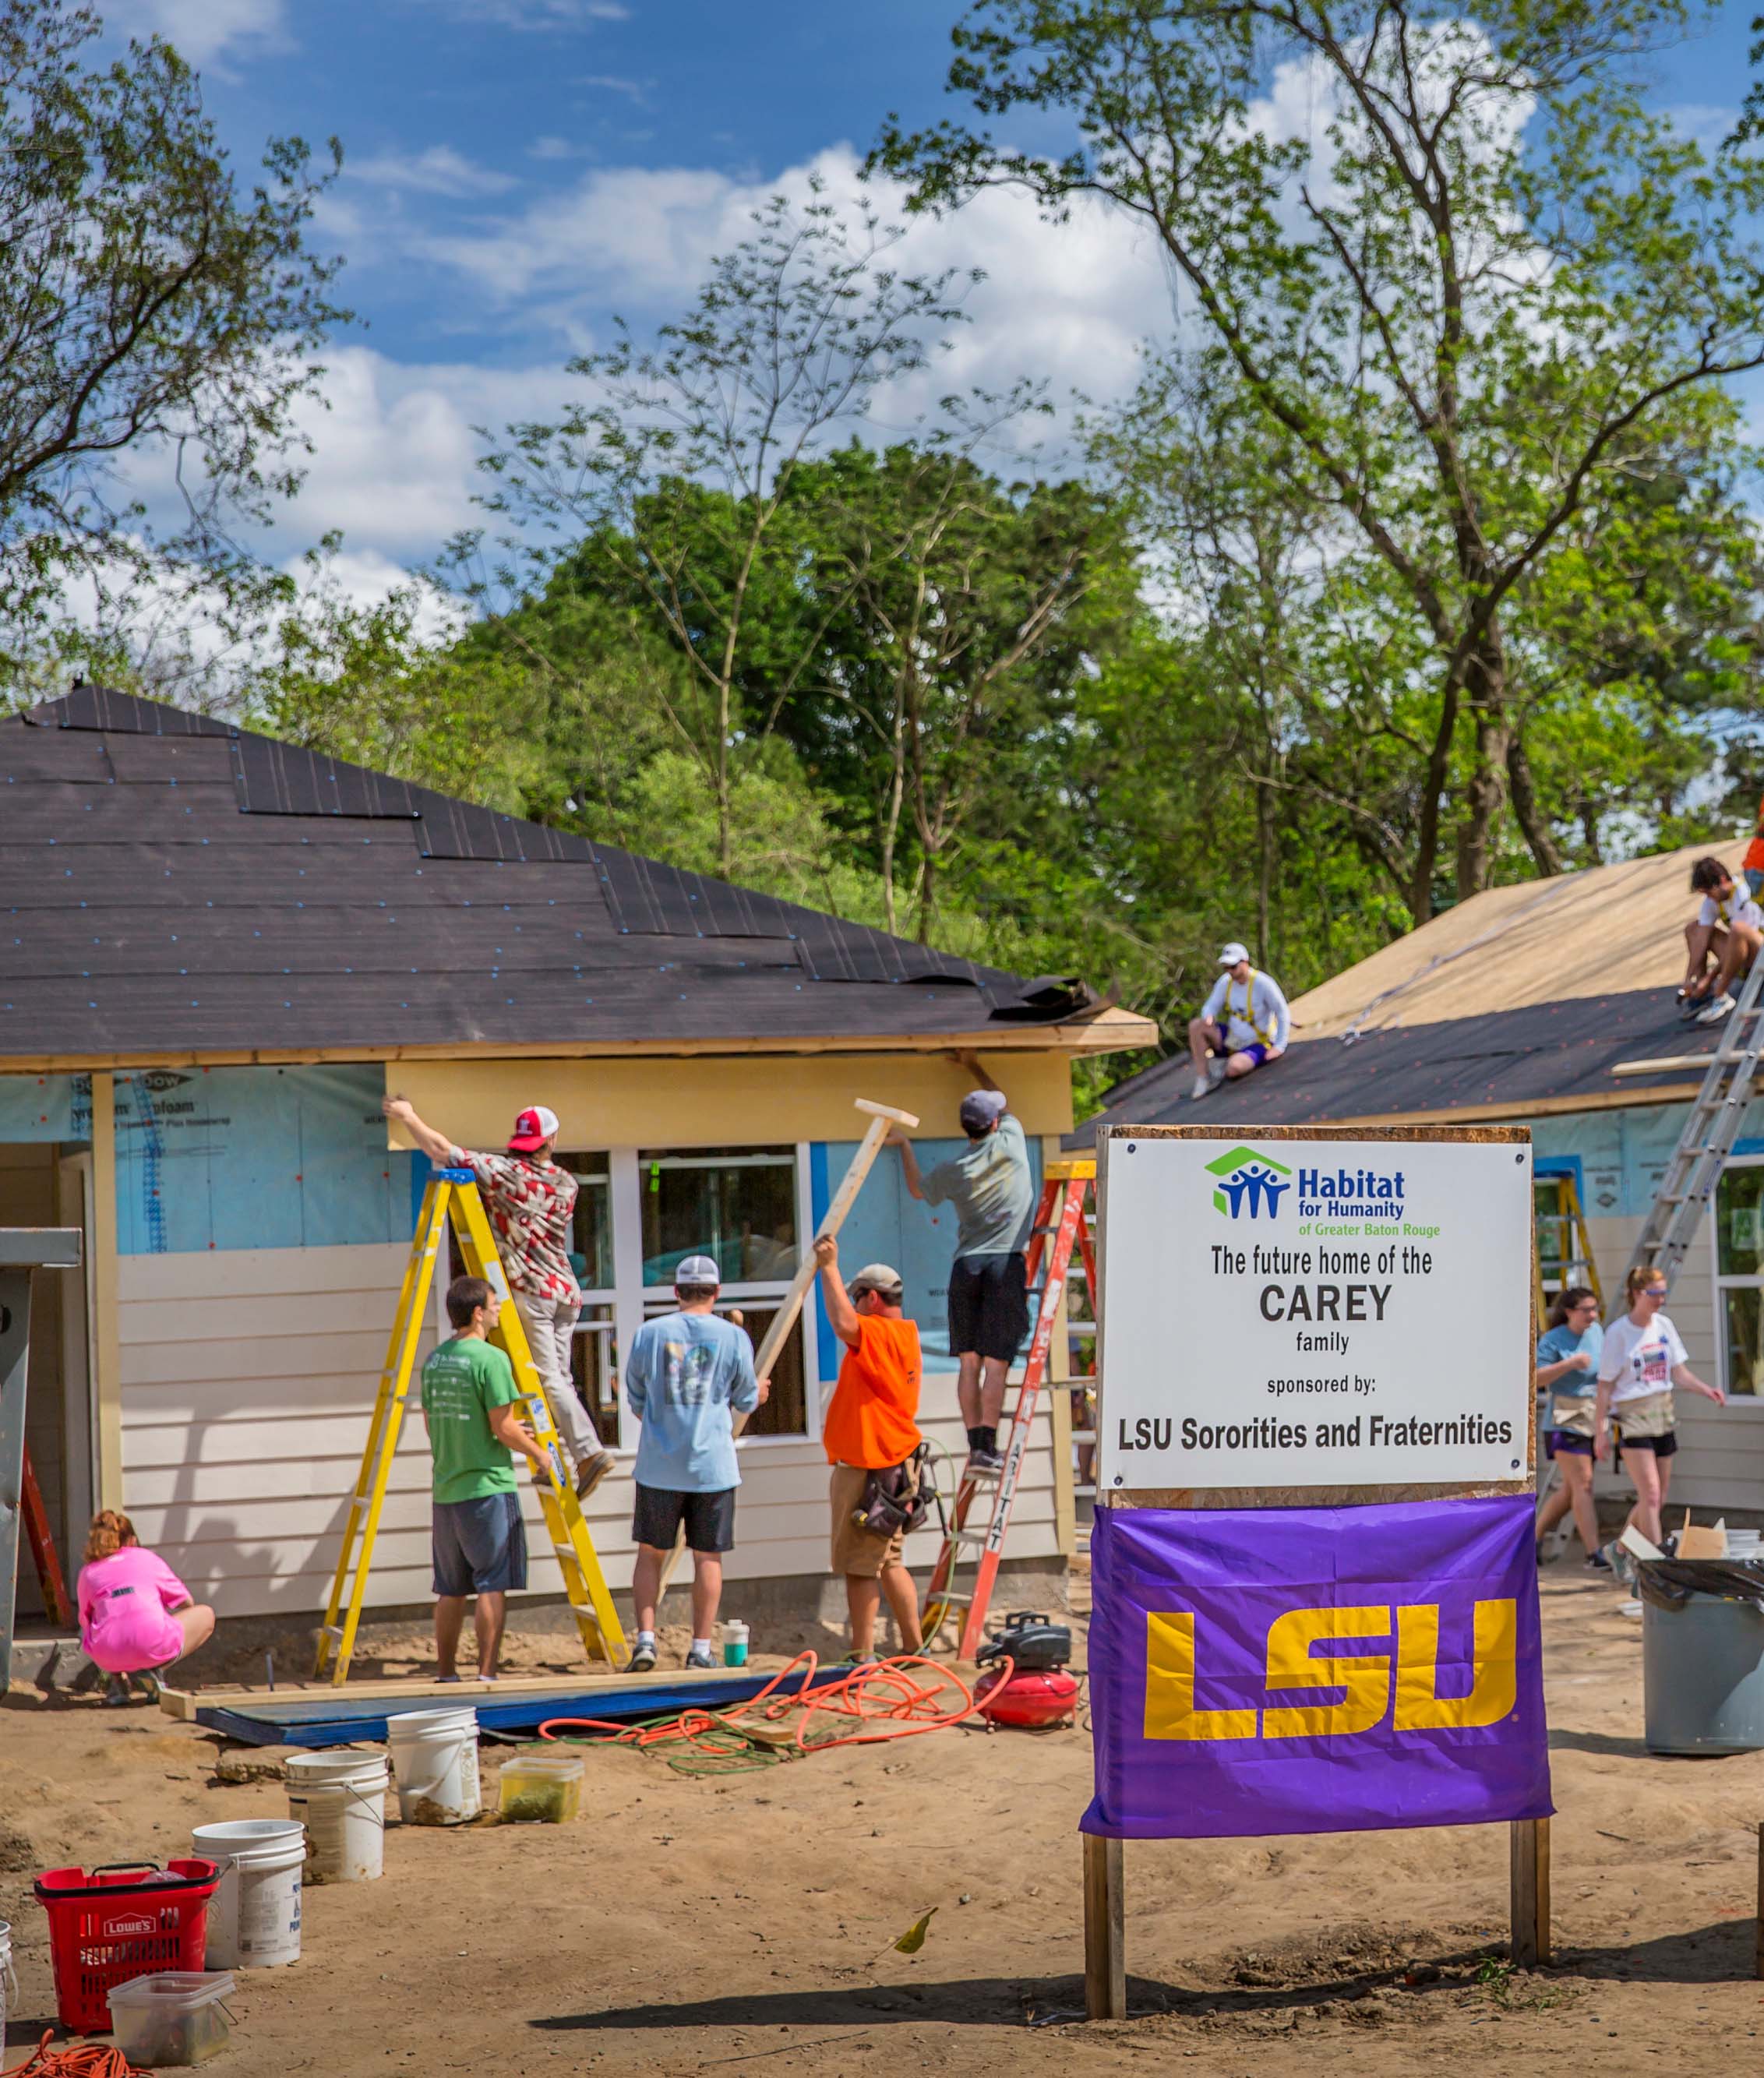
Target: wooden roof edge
[1099, 1035]
[1518, 1114]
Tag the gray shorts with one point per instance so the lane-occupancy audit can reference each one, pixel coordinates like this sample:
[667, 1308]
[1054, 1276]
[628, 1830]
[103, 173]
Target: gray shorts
[479, 1546]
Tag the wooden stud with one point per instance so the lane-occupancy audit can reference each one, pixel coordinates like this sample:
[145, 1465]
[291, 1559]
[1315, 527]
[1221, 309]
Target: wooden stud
[1105, 1945]
[1529, 1948]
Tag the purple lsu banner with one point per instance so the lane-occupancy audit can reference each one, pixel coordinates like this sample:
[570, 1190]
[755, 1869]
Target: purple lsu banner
[1316, 1670]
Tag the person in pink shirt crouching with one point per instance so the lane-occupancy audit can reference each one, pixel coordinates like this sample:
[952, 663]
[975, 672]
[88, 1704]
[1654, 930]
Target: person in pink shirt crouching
[136, 1615]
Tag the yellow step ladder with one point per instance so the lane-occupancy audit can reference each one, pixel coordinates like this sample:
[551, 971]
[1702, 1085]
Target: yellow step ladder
[454, 1191]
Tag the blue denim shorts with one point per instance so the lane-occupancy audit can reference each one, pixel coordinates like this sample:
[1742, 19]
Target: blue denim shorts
[480, 1546]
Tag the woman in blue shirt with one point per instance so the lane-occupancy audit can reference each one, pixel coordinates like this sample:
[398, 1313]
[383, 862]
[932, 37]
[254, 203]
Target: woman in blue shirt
[1568, 1370]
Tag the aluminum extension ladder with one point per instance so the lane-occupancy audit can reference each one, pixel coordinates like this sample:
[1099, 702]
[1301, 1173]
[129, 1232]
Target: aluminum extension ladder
[1060, 1219]
[590, 1601]
[1707, 1140]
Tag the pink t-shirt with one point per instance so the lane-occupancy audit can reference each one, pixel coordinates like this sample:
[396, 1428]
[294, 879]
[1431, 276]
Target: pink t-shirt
[125, 1601]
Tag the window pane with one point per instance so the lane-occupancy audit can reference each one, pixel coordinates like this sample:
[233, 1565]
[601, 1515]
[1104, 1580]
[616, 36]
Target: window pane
[591, 1366]
[738, 1206]
[1743, 1320]
[786, 1412]
[591, 1244]
[1553, 1240]
[1739, 1202]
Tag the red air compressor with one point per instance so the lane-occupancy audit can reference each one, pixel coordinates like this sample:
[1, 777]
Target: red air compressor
[1040, 1690]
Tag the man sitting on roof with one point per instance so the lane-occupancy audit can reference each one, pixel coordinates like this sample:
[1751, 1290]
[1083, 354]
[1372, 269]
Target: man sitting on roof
[1724, 938]
[1243, 1022]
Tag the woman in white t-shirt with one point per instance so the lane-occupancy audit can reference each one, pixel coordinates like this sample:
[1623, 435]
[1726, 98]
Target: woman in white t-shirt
[1642, 1360]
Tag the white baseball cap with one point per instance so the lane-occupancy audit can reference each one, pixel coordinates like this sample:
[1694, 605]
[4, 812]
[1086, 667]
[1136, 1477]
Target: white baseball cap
[1230, 955]
[696, 1270]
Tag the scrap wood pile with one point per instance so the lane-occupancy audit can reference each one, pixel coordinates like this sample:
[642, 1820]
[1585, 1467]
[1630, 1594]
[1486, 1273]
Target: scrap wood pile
[867, 1706]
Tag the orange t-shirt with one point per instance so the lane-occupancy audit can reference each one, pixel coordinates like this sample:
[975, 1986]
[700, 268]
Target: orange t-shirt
[869, 1418]
[1753, 860]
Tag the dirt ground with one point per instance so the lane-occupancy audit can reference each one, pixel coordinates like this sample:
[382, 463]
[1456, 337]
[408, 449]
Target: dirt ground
[688, 1924]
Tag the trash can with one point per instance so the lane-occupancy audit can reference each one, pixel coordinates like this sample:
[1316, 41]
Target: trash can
[1701, 1656]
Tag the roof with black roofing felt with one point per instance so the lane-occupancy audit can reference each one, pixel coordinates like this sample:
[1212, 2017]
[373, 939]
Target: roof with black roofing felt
[174, 886]
[1507, 1065]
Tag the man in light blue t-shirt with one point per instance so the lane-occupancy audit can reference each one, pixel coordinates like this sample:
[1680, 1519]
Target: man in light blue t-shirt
[687, 1376]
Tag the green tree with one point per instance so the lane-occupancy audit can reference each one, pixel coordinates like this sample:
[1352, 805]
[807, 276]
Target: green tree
[679, 463]
[148, 309]
[1465, 302]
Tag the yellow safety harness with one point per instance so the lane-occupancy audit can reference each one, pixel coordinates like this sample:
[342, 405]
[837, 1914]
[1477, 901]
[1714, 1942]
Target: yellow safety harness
[1266, 1037]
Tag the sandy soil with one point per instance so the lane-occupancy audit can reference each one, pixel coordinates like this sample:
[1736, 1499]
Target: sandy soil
[746, 1923]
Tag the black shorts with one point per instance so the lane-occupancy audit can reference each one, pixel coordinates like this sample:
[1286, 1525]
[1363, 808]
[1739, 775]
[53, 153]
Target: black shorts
[989, 1306]
[709, 1518]
[1662, 1447]
[1565, 1441]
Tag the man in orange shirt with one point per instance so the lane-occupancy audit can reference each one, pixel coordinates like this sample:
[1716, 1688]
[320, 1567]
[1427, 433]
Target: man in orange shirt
[870, 1425]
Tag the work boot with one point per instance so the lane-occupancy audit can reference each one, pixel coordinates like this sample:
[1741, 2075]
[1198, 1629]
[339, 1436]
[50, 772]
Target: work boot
[591, 1471]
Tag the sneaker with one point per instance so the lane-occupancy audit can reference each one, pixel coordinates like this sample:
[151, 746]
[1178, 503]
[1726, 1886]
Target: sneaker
[116, 1695]
[985, 1460]
[1721, 1007]
[642, 1660]
[1203, 1085]
[590, 1472]
[698, 1661]
[1598, 1563]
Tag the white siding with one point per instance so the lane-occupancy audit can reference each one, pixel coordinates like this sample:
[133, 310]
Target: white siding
[248, 1378]
[1720, 1463]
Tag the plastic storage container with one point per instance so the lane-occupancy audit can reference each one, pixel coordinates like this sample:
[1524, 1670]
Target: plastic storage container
[111, 1925]
[541, 1788]
[173, 2016]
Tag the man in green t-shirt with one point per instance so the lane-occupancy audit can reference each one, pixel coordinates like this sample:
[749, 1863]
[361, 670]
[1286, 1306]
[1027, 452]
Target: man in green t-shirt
[469, 1405]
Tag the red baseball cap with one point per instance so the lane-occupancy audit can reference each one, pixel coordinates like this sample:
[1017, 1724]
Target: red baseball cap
[535, 1126]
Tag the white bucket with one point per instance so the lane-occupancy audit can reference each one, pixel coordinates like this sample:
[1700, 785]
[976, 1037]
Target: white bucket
[254, 1916]
[9, 1984]
[340, 1799]
[435, 1753]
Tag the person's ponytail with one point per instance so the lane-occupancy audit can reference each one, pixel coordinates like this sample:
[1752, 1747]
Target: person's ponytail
[111, 1531]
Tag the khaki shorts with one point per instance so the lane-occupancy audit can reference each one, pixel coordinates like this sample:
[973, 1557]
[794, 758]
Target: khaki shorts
[1653, 1415]
[1570, 1416]
[860, 1552]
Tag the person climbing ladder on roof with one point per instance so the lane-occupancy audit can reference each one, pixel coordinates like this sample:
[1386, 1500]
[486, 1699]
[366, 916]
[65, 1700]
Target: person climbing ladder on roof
[1723, 938]
[530, 1199]
[1243, 1022]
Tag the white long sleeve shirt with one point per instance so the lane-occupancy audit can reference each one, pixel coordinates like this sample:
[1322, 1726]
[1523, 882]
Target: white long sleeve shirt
[1258, 1012]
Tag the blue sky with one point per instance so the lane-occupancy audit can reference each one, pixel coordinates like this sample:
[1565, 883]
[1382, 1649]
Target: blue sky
[519, 170]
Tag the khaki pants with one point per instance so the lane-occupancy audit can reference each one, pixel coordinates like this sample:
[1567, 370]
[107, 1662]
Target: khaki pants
[550, 1325]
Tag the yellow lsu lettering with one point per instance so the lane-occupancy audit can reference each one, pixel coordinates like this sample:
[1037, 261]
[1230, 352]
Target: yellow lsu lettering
[1363, 1680]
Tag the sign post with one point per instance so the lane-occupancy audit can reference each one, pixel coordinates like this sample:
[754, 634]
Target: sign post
[1314, 1602]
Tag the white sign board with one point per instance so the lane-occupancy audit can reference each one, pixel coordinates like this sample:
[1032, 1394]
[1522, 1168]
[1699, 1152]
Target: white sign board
[1294, 1313]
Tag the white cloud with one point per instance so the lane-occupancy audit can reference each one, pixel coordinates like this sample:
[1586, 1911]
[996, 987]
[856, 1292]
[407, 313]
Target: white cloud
[204, 30]
[542, 15]
[439, 170]
[552, 148]
[632, 89]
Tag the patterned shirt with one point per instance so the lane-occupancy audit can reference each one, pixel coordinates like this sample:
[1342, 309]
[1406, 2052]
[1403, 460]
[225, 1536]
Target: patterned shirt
[531, 1213]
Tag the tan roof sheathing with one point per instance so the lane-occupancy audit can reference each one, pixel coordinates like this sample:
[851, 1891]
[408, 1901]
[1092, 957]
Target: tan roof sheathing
[1595, 932]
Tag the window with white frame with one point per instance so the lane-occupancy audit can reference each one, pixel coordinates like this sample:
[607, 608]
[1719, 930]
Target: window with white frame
[740, 1206]
[594, 1355]
[1739, 1276]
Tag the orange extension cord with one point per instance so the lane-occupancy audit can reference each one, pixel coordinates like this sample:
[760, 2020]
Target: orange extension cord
[90, 2059]
[887, 1697]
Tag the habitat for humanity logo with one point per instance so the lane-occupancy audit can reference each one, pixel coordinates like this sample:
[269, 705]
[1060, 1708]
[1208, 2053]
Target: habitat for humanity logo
[1248, 1179]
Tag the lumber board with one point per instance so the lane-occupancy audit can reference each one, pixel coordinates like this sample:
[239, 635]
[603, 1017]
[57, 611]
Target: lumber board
[184, 1703]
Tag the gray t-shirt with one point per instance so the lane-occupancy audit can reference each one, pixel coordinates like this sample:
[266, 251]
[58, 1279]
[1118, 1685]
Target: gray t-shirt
[990, 1185]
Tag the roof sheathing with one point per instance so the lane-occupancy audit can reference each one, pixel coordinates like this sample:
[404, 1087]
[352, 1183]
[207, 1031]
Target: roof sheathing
[175, 888]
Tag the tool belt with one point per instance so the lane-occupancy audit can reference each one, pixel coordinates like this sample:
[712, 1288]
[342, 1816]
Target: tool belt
[1571, 1415]
[897, 1498]
[1653, 1414]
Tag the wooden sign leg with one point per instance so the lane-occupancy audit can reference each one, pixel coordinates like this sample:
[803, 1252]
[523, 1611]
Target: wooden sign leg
[1105, 1944]
[1758, 1966]
[1530, 1891]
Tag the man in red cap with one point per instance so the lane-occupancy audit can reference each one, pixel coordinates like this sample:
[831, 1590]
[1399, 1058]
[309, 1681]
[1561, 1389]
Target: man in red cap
[531, 1202]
